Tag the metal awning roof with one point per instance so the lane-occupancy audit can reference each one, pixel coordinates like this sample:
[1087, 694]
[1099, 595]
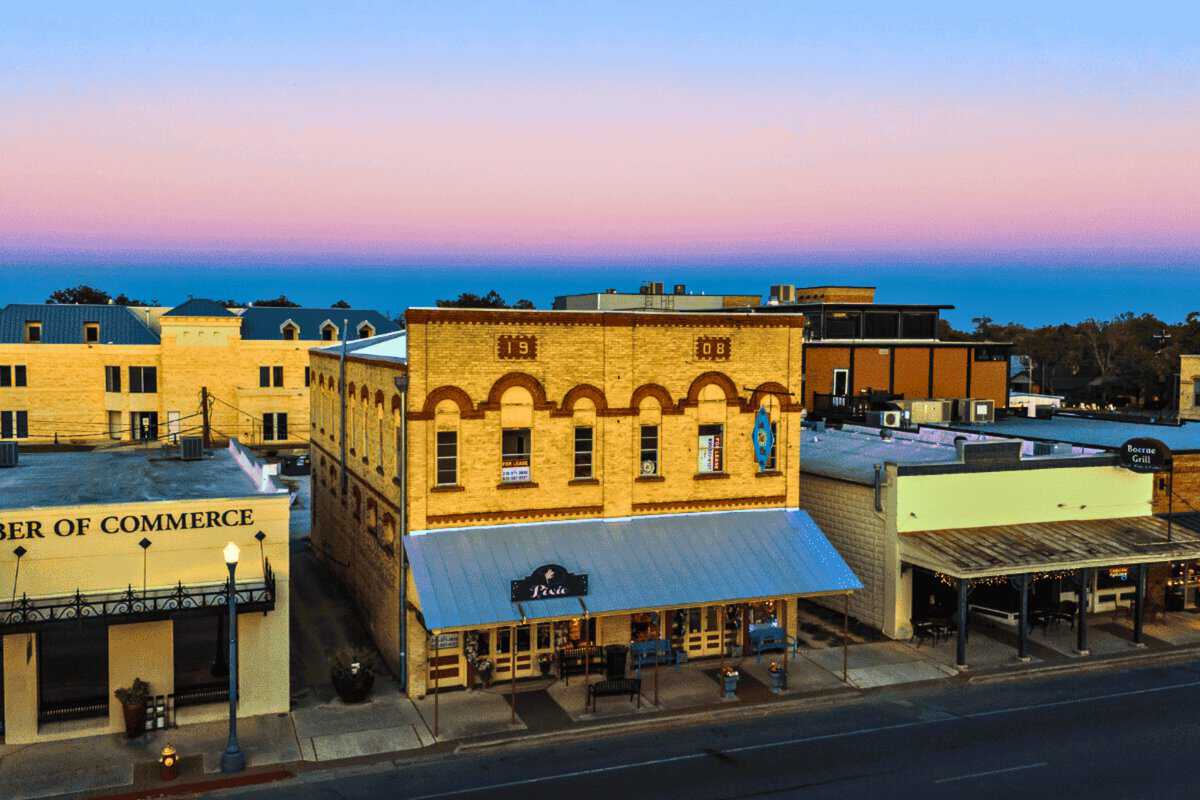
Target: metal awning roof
[1048, 546]
[463, 576]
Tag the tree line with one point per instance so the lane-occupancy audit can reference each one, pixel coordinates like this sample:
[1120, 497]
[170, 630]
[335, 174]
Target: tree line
[1129, 361]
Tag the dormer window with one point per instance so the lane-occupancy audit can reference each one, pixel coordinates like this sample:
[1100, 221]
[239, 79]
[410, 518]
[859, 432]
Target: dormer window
[33, 331]
[91, 332]
[365, 330]
[329, 332]
[291, 331]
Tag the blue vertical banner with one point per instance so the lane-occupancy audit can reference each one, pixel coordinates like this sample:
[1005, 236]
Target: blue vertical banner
[764, 439]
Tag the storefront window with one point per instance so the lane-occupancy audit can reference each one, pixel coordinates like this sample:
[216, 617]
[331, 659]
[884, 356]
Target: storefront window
[515, 451]
[73, 673]
[693, 620]
[200, 660]
[523, 639]
[504, 640]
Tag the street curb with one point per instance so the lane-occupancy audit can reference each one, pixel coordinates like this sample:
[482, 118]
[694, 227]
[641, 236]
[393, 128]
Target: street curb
[570, 734]
[1087, 665]
[199, 787]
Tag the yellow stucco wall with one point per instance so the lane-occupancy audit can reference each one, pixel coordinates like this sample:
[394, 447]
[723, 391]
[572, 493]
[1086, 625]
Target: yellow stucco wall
[969, 500]
[97, 561]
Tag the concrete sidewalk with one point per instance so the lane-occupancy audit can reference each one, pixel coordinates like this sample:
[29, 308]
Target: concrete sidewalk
[321, 730]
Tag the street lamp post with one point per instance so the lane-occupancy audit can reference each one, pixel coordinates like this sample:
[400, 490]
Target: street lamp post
[233, 759]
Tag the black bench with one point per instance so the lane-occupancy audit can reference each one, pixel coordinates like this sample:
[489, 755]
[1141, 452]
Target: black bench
[630, 687]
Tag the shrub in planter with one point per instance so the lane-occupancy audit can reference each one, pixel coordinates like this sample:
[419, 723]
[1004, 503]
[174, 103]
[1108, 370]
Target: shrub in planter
[352, 675]
[485, 669]
[545, 661]
[729, 681]
[778, 677]
[133, 702]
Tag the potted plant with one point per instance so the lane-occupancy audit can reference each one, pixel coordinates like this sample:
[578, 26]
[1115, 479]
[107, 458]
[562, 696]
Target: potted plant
[484, 667]
[545, 661]
[729, 682]
[778, 677]
[133, 702]
[352, 675]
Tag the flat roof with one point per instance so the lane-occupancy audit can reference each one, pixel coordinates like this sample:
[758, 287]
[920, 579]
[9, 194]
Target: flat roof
[851, 452]
[1090, 431]
[127, 474]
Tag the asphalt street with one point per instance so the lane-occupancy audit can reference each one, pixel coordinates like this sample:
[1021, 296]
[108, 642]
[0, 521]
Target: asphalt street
[1097, 734]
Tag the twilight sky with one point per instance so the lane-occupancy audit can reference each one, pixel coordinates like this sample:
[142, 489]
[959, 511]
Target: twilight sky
[1033, 161]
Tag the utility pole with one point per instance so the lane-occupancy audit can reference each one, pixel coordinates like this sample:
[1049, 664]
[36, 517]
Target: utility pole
[204, 415]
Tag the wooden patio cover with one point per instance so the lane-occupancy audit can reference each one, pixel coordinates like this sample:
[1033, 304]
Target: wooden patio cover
[1048, 546]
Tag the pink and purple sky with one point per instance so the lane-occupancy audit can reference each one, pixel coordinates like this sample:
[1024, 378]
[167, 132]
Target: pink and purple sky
[577, 141]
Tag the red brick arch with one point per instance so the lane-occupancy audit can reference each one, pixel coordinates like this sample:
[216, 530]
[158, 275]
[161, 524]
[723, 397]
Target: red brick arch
[466, 409]
[525, 381]
[575, 393]
[732, 396]
[778, 390]
[655, 390]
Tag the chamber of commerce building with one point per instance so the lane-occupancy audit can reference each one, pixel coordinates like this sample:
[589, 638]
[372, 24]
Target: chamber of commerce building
[114, 567]
[515, 487]
[92, 374]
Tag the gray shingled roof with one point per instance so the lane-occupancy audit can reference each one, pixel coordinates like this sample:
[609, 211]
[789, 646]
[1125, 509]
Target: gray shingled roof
[266, 322]
[63, 324]
[199, 307]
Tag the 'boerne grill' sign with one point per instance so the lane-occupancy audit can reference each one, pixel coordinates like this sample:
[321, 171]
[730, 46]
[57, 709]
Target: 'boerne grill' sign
[547, 581]
[1146, 455]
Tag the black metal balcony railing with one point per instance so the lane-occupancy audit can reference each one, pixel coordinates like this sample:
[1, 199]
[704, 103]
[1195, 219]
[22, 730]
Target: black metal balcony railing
[133, 605]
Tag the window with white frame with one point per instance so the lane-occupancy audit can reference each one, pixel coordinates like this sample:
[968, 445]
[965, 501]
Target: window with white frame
[711, 449]
[274, 426]
[14, 424]
[649, 450]
[584, 440]
[516, 456]
[447, 458]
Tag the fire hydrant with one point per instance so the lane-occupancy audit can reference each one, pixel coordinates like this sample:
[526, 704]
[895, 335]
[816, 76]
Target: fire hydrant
[169, 760]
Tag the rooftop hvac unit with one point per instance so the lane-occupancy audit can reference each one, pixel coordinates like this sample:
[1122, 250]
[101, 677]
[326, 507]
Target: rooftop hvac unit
[885, 419]
[192, 448]
[8, 454]
[926, 411]
[981, 411]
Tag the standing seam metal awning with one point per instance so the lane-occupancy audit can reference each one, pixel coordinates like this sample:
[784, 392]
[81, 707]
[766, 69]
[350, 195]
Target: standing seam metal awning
[462, 576]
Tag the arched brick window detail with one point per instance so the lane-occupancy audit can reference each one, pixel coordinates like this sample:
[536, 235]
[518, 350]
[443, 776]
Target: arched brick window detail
[387, 530]
[720, 379]
[526, 382]
[466, 408]
[654, 390]
[593, 393]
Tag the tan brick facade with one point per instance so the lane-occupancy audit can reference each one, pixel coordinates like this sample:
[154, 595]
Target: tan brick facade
[609, 372]
[67, 402]
[846, 513]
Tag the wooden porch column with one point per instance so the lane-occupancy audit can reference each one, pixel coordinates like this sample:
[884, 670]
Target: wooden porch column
[432, 648]
[1081, 644]
[845, 638]
[960, 656]
[512, 671]
[1139, 605]
[1023, 620]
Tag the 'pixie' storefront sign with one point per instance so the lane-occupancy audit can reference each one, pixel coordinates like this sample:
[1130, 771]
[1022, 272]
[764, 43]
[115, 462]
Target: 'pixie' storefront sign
[1145, 455]
[549, 580]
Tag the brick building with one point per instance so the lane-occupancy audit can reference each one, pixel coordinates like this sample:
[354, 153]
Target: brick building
[1189, 386]
[93, 374]
[558, 481]
[937, 522]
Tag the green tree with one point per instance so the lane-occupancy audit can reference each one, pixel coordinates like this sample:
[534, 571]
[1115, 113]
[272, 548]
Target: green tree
[277, 302]
[340, 304]
[490, 300]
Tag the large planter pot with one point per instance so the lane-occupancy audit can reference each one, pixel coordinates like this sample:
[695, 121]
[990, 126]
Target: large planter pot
[353, 687]
[730, 683]
[778, 681]
[135, 719]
